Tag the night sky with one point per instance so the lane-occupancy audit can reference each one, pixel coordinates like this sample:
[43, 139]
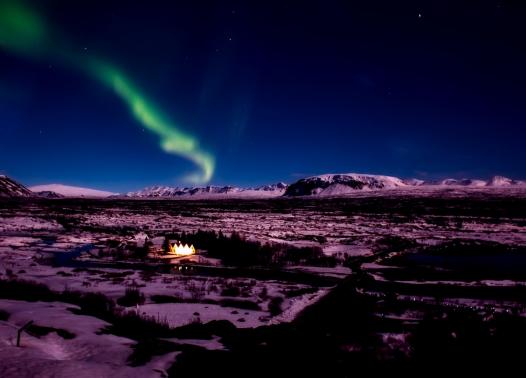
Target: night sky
[98, 93]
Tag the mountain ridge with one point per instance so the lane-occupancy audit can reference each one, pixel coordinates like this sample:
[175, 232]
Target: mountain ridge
[330, 184]
[11, 188]
[70, 191]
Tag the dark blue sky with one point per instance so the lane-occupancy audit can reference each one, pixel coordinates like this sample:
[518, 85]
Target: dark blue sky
[274, 90]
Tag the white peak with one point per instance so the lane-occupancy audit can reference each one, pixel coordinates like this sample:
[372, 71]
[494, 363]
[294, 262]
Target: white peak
[361, 177]
[414, 182]
[500, 181]
[71, 191]
[462, 182]
[342, 183]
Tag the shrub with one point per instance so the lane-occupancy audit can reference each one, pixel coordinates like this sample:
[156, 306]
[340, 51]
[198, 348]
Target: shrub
[197, 291]
[205, 331]
[39, 331]
[93, 304]
[274, 306]
[140, 252]
[145, 349]
[263, 294]
[25, 291]
[231, 291]
[132, 297]
[137, 327]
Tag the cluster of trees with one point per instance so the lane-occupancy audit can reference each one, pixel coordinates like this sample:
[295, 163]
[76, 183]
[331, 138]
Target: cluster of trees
[238, 251]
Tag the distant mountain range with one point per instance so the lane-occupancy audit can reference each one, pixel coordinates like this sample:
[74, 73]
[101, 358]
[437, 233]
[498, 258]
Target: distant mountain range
[68, 191]
[321, 185]
[273, 190]
[347, 183]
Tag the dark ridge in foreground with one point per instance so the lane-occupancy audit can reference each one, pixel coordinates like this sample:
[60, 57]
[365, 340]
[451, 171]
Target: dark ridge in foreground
[9, 188]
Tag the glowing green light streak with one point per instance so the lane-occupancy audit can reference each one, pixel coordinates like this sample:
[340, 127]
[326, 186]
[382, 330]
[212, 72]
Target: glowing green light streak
[172, 139]
[24, 32]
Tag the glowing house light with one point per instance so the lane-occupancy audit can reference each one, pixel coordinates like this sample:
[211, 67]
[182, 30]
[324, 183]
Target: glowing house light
[181, 250]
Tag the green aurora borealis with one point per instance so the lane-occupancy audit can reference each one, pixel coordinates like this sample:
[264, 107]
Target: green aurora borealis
[23, 31]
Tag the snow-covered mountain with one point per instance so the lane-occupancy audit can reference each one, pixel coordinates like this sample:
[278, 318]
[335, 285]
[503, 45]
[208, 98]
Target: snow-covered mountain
[274, 190]
[167, 191]
[495, 181]
[462, 182]
[338, 184]
[414, 182]
[341, 184]
[279, 187]
[71, 191]
[49, 194]
[11, 188]
[500, 181]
